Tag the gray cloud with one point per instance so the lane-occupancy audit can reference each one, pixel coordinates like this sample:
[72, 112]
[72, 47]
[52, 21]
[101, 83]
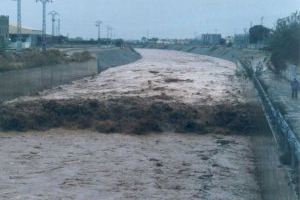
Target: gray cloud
[162, 18]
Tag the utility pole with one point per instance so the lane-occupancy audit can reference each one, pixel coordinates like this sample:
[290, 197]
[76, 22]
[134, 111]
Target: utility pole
[19, 25]
[98, 25]
[111, 35]
[246, 36]
[108, 28]
[44, 39]
[58, 26]
[262, 20]
[53, 15]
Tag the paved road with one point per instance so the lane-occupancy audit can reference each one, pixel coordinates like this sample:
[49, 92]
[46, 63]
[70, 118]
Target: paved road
[279, 90]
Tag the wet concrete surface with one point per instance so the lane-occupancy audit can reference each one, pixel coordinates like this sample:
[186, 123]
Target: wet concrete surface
[280, 92]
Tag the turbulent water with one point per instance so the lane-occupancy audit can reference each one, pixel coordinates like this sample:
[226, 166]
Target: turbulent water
[185, 77]
[64, 164]
[82, 164]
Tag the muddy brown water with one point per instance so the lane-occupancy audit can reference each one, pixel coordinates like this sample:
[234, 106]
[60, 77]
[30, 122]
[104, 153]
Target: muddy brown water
[218, 164]
[62, 164]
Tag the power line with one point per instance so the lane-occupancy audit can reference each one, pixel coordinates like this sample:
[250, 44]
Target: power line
[44, 41]
[98, 25]
[262, 20]
[19, 25]
[107, 34]
[53, 15]
[58, 26]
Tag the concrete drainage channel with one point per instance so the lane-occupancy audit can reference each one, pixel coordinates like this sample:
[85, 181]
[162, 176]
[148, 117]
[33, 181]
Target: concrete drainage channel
[276, 147]
[24, 82]
[284, 137]
[271, 173]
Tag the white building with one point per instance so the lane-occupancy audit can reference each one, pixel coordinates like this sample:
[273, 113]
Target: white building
[30, 37]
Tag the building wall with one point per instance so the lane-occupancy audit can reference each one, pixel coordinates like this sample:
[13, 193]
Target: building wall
[241, 40]
[4, 28]
[28, 41]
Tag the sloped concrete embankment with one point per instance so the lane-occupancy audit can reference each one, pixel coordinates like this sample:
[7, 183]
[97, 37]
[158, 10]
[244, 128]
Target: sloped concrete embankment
[151, 96]
[273, 175]
[227, 53]
[116, 57]
[23, 82]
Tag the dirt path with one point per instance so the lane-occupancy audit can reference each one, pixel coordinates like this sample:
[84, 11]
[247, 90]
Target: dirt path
[280, 92]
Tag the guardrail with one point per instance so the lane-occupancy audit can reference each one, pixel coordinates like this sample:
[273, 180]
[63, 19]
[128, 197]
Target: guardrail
[284, 136]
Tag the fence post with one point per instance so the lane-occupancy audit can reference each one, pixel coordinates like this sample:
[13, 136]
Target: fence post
[297, 172]
[292, 153]
[98, 65]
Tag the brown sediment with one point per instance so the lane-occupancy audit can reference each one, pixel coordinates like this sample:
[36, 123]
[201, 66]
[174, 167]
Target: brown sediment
[127, 114]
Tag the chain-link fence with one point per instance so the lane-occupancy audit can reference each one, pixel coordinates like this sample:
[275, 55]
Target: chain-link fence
[23, 82]
[18, 83]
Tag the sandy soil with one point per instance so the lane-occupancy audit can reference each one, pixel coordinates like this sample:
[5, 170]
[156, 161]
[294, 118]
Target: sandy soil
[61, 164]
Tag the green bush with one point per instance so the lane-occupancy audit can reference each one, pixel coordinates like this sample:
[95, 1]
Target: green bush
[285, 42]
[81, 56]
[34, 58]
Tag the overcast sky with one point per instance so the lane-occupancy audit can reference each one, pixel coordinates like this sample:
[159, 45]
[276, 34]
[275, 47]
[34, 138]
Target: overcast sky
[132, 19]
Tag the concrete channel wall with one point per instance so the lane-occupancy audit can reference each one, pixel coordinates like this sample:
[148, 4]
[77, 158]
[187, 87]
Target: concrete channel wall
[22, 82]
[116, 57]
[274, 177]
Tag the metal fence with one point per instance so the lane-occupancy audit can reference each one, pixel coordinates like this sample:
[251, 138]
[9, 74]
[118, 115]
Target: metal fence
[22, 82]
[284, 136]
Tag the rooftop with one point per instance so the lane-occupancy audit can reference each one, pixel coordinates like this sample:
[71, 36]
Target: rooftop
[25, 31]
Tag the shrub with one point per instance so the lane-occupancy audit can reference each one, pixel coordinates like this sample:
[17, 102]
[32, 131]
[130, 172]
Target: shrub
[34, 58]
[285, 42]
[81, 56]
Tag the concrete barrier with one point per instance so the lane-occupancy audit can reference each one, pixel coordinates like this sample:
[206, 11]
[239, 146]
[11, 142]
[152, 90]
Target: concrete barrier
[23, 82]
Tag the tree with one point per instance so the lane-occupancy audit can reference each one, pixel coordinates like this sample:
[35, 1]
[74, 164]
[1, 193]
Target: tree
[285, 42]
[259, 34]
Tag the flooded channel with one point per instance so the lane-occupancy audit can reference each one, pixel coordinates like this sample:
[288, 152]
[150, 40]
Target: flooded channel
[184, 127]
